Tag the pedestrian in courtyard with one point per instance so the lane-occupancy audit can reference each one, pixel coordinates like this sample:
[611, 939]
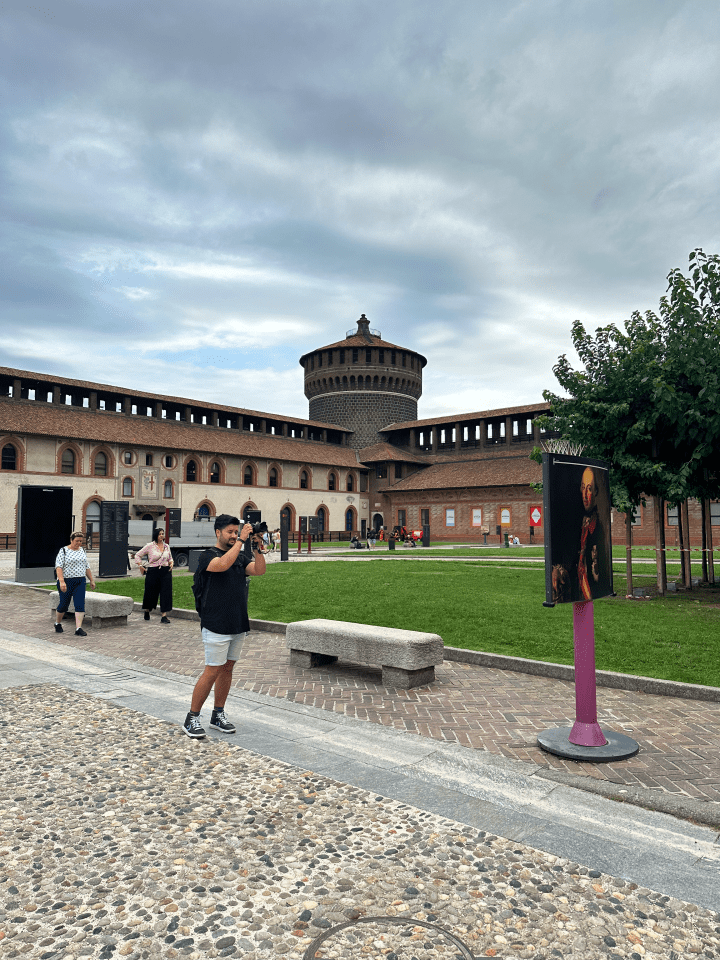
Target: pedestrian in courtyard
[72, 570]
[276, 539]
[224, 623]
[157, 570]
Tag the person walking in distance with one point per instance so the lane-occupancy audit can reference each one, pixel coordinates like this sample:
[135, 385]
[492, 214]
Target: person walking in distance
[221, 573]
[157, 570]
[72, 569]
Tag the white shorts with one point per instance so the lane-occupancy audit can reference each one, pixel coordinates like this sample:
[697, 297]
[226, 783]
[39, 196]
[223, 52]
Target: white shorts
[221, 647]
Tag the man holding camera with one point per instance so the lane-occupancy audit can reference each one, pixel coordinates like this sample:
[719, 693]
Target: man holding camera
[223, 616]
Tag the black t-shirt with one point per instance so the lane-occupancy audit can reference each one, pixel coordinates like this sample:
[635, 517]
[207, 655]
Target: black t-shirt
[224, 600]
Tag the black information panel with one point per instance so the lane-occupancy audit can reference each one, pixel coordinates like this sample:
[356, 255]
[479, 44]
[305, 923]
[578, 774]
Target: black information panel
[114, 517]
[174, 530]
[44, 526]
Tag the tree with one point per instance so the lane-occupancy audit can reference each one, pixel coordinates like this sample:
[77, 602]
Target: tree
[648, 399]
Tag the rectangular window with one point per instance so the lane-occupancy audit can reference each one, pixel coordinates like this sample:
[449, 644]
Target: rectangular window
[425, 518]
[342, 356]
[398, 471]
[477, 517]
[355, 355]
[672, 516]
[148, 459]
[516, 428]
[329, 358]
[404, 359]
[381, 471]
[319, 359]
[368, 355]
[393, 356]
[637, 517]
[381, 356]
[489, 431]
[528, 427]
[450, 517]
[502, 428]
[402, 520]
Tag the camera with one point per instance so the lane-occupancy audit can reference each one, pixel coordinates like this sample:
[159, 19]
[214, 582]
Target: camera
[258, 529]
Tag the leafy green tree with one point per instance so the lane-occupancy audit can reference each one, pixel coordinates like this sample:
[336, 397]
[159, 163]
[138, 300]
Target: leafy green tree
[648, 398]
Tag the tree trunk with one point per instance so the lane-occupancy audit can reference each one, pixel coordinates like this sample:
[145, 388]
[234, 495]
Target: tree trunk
[628, 551]
[659, 509]
[709, 544]
[681, 544]
[687, 569]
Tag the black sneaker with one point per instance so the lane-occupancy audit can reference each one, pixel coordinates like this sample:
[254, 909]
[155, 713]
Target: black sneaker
[220, 722]
[146, 616]
[80, 632]
[58, 628]
[193, 728]
[164, 620]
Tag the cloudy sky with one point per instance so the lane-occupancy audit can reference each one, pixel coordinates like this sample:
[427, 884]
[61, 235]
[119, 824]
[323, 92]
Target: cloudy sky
[196, 193]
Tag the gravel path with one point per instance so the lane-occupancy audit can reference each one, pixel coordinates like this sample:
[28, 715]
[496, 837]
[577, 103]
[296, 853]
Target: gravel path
[122, 838]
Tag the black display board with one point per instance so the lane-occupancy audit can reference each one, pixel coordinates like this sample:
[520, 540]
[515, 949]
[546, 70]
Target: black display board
[174, 530]
[114, 516]
[426, 535]
[44, 526]
[283, 538]
[576, 518]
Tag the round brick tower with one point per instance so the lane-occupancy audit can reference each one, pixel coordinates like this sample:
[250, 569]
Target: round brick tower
[363, 383]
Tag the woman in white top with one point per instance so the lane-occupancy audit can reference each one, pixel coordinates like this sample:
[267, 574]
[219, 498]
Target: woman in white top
[71, 569]
[158, 577]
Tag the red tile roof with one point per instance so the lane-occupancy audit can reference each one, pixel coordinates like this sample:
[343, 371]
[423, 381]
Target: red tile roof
[497, 472]
[87, 385]
[386, 451]
[479, 415]
[47, 419]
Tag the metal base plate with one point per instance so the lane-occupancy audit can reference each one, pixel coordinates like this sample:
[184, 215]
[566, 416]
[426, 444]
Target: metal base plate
[618, 746]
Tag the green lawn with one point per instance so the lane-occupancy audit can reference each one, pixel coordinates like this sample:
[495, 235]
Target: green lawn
[487, 607]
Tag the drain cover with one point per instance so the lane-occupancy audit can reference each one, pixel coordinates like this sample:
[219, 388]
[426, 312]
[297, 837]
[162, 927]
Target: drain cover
[387, 938]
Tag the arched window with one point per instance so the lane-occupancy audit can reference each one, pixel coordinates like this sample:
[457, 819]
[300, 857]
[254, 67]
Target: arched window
[191, 471]
[332, 482]
[349, 519]
[100, 465]
[203, 510]
[350, 482]
[272, 477]
[322, 519]
[127, 487]
[67, 464]
[168, 490]
[215, 472]
[303, 480]
[248, 476]
[9, 457]
[92, 518]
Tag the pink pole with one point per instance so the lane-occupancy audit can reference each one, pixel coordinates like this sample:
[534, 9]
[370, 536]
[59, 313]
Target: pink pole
[586, 730]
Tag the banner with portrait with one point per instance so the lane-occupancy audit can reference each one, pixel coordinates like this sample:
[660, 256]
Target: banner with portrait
[578, 542]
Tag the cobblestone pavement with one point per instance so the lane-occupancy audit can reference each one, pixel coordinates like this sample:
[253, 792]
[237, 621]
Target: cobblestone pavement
[495, 710]
[123, 839]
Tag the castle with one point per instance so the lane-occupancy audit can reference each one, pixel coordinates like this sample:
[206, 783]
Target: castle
[362, 459]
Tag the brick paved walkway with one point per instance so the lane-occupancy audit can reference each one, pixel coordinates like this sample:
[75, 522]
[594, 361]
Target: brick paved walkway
[495, 710]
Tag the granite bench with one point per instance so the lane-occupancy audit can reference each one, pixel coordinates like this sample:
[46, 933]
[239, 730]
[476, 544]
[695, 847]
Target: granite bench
[101, 609]
[408, 658]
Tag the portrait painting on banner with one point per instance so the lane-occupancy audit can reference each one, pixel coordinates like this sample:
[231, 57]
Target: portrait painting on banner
[578, 541]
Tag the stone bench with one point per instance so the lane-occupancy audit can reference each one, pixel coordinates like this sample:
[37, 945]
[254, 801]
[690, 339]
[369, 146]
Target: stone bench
[101, 609]
[408, 658]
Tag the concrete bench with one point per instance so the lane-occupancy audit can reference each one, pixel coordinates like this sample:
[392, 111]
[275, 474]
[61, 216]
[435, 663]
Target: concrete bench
[407, 657]
[101, 609]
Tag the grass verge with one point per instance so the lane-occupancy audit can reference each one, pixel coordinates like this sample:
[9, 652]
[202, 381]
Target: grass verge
[491, 608]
